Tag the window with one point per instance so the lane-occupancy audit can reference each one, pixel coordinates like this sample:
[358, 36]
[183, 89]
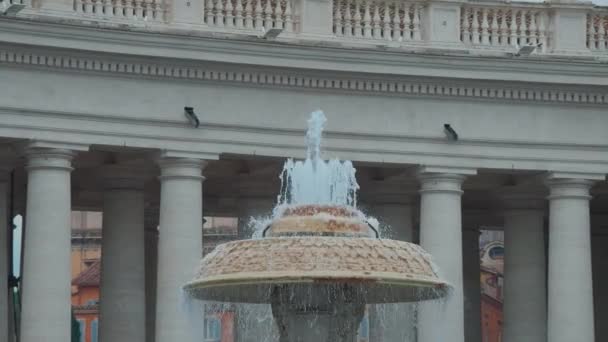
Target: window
[82, 324]
[213, 329]
[94, 330]
[496, 252]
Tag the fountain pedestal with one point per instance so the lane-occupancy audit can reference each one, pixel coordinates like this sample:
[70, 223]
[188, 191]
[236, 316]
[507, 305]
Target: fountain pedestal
[337, 320]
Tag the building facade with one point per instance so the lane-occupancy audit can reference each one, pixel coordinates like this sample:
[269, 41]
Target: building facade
[459, 115]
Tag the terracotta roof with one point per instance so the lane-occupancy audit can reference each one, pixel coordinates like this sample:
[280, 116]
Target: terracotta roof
[90, 276]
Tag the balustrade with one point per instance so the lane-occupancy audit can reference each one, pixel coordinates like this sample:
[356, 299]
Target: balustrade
[387, 20]
[504, 27]
[147, 10]
[555, 28]
[597, 31]
[250, 14]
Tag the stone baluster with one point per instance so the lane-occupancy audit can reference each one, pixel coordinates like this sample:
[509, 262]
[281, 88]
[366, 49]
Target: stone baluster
[108, 9]
[376, 25]
[268, 15]
[604, 33]
[139, 11]
[238, 14]
[475, 27]
[159, 11]
[542, 31]
[520, 20]
[219, 13]
[258, 19]
[129, 10]
[465, 26]
[98, 8]
[387, 22]
[357, 19]
[337, 19]
[367, 20]
[278, 15]
[229, 14]
[88, 6]
[209, 12]
[416, 24]
[513, 28]
[533, 35]
[484, 27]
[397, 22]
[590, 32]
[495, 35]
[504, 28]
[248, 14]
[288, 17]
[348, 29]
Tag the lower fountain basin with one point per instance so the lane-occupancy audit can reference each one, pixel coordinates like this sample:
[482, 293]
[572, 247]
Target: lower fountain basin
[317, 269]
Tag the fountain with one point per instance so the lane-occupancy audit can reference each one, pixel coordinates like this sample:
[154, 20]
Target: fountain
[319, 260]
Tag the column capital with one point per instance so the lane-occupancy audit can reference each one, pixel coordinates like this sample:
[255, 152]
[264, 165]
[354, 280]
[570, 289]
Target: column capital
[575, 188]
[440, 182]
[48, 158]
[124, 178]
[171, 167]
[516, 201]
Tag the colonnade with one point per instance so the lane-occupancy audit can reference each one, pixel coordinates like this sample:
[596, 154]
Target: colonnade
[566, 315]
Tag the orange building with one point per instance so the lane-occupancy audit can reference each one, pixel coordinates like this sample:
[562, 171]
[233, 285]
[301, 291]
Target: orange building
[85, 302]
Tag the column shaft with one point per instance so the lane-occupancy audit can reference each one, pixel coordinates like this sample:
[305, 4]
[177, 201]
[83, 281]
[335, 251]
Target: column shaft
[179, 245]
[393, 322]
[151, 268]
[472, 286]
[441, 236]
[525, 303]
[122, 302]
[45, 314]
[4, 259]
[570, 306]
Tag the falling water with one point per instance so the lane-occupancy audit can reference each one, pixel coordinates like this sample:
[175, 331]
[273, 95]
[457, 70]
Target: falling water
[314, 180]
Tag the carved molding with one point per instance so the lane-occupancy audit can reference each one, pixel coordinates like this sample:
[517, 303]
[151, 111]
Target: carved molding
[285, 78]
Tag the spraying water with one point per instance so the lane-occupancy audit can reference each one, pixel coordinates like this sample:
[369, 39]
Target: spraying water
[314, 180]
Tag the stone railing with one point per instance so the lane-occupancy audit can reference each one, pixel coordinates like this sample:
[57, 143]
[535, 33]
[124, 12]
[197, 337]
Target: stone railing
[250, 15]
[386, 20]
[597, 30]
[555, 27]
[498, 25]
[152, 10]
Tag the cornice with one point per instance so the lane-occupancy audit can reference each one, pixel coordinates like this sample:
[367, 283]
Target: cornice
[169, 43]
[127, 66]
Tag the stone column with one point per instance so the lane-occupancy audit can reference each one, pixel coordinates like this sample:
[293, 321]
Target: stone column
[525, 303]
[151, 256]
[570, 299]
[4, 256]
[252, 208]
[180, 244]
[471, 283]
[393, 322]
[122, 301]
[441, 236]
[45, 309]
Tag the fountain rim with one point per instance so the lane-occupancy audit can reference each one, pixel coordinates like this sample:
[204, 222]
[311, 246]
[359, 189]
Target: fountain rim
[319, 277]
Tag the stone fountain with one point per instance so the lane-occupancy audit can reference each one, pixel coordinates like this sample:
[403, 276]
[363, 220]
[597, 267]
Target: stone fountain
[319, 260]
